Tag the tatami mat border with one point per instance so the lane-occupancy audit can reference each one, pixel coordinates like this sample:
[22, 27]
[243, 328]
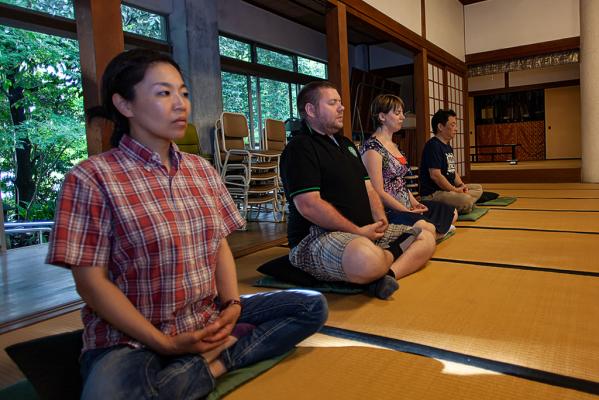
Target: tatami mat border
[524, 229]
[515, 266]
[566, 198]
[550, 378]
[537, 209]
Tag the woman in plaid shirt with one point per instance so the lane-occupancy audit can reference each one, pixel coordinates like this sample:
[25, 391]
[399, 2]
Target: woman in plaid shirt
[143, 228]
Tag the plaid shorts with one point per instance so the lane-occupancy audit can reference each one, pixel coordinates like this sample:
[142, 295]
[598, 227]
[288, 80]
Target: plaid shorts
[320, 253]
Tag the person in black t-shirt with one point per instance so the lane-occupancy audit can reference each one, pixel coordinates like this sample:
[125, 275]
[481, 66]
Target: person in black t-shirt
[438, 178]
[337, 227]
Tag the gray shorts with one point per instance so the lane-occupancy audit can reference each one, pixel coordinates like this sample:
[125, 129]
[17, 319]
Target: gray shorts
[320, 253]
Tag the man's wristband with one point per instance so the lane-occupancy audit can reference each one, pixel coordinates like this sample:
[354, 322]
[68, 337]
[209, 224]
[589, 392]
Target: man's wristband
[228, 303]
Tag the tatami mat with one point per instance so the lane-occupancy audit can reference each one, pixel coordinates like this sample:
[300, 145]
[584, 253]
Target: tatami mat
[554, 204]
[530, 318]
[365, 373]
[246, 268]
[542, 220]
[549, 193]
[553, 186]
[567, 251]
[527, 318]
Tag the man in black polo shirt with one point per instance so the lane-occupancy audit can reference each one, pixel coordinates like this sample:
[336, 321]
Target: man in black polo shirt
[337, 226]
[438, 178]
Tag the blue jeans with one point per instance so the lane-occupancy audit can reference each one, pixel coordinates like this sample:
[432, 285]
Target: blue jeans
[282, 319]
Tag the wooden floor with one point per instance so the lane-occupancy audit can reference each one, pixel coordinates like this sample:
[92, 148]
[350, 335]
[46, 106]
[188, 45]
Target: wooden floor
[507, 309]
[525, 165]
[34, 291]
[526, 171]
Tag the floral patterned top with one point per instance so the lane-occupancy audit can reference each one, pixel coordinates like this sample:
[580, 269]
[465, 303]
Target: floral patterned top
[394, 169]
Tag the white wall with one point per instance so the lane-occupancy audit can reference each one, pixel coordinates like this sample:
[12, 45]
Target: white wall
[244, 20]
[499, 24]
[445, 25]
[406, 12]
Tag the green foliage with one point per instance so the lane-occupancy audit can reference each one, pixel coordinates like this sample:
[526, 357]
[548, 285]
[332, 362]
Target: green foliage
[274, 59]
[311, 67]
[47, 118]
[143, 22]
[234, 48]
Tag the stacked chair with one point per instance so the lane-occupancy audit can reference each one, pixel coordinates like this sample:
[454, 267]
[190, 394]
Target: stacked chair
[412, 181]
[251, 175]
[275, 139]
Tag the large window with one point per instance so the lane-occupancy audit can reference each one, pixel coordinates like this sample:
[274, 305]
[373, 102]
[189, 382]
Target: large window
[41, 119]
[144, 23]
[258, 99]
[135, 20]
[42, 129]
[256, 89]
[58, 8]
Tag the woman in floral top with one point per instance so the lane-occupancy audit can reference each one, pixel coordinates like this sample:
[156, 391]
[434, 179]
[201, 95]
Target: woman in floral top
[387, 167]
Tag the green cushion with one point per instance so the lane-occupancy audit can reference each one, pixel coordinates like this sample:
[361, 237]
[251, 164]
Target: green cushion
[475, 214]
[231, 380]
[324, 287]
[447, 236]
[22, 390]
[500, 202]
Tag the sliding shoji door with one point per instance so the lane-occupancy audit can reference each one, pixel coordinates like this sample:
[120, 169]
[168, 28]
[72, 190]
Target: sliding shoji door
[455, 101]
[446, 90]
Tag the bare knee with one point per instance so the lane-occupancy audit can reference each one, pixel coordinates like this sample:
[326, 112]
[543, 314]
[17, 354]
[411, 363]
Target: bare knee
[425, 226]
[427, 241]
[363, 261]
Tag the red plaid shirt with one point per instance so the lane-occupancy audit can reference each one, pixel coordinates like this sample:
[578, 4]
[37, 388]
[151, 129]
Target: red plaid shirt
[157, 234]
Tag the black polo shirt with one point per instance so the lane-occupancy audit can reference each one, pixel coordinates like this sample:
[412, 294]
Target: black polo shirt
[438, 155]
[314, 162]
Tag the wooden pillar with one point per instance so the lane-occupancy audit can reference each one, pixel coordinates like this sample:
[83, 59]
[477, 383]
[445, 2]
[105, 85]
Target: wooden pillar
[467, 127]
[421, 102]
[337, 49]
[193, 28]
[589, 89]
[100, 36]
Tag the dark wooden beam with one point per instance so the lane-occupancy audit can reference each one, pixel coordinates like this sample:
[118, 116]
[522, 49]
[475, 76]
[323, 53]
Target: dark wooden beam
[466, 2]
[20, 17]
[423, 18]
[100, 36]
[528, 50]
[337, 50]
[421, 96]
[548, 85]
[466, 127]
[265, 71]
